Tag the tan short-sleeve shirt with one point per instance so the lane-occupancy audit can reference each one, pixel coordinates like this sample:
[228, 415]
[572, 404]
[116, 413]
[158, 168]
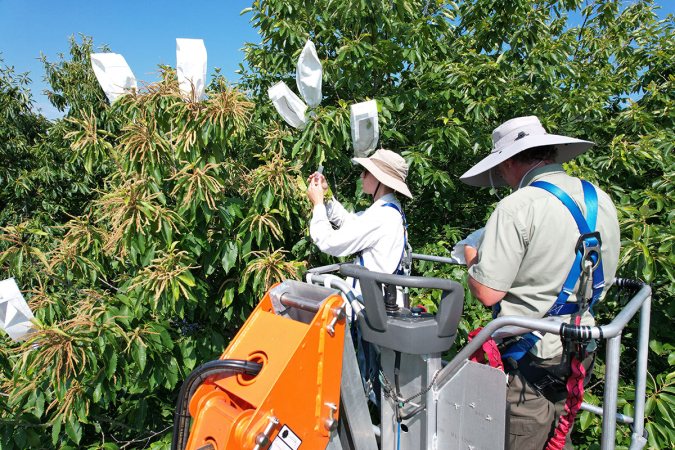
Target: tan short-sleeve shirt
[529, 246]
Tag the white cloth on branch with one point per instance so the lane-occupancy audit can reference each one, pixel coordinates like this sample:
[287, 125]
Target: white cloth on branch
[191, 67]
[308, 75]
[113, 74]
[365, 128]
[15, 315]
[289, 105]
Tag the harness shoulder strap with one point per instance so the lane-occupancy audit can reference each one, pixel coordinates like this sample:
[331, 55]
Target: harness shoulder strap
[399, 269]
[405, 240]
[586, 226]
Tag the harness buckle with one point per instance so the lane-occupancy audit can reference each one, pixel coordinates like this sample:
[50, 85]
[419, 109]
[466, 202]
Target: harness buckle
[546, 381]
[589, 245]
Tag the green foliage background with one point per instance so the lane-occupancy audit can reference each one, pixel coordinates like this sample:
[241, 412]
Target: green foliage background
[144, 232]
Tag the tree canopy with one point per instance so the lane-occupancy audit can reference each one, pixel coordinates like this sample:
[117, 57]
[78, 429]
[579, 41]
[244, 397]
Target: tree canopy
[144, 232]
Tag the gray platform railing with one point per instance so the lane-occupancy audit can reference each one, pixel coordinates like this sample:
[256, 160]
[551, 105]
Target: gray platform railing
[612, 333]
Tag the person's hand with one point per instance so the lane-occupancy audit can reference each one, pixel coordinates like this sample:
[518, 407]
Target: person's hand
[315, 191]
[320, 178]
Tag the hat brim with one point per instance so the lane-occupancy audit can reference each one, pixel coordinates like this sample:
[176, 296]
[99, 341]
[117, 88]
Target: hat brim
[479, 174]
[383, 177]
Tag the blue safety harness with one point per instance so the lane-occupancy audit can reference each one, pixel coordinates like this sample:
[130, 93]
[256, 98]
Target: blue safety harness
[366, 356]
[589, 239]
[399, 267]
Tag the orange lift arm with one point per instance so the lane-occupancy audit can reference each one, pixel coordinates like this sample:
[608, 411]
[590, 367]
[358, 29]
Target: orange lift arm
[294, 341]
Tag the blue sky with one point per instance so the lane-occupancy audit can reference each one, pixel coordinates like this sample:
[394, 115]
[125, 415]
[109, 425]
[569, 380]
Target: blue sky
[144, 31]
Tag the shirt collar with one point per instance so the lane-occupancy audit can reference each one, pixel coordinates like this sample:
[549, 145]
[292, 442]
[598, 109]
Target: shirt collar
[386, 198]
[540, 172]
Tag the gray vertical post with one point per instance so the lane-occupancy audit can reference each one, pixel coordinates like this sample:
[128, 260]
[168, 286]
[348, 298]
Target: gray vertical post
[355, 429]
[611, 386]
[637, 440]
[434, 365]
[334, 442]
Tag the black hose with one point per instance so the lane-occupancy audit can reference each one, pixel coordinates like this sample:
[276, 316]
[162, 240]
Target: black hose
[222, 368]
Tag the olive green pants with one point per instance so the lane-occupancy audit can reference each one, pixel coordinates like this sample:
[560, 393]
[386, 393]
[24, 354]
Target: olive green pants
[531, 417]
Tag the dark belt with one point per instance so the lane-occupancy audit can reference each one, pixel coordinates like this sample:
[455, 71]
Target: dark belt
[550, 380]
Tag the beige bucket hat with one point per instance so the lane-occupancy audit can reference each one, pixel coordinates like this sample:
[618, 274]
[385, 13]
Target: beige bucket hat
[389, 168]
[517, 135]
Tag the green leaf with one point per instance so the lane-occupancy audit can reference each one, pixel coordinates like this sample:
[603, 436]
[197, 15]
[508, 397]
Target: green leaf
[666, 412]
[229, 259]
[56, 432]
[74, 429]
[187, 278]
[140, 355]
[656, 346]
[171, 374]
[20, 437]
[228, 297]
[39, 404]
[96, 397]
[111, 365]
[268, 198]
[586, 419]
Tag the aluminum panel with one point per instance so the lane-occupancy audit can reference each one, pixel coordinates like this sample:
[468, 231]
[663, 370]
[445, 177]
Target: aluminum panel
[471, 409]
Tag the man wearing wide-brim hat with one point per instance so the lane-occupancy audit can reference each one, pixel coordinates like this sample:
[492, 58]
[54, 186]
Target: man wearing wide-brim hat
[377, 236]
[524, 258]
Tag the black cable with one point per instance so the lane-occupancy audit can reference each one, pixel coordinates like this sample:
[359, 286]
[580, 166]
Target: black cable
[397, 384]
[377, 189]
[222, 368]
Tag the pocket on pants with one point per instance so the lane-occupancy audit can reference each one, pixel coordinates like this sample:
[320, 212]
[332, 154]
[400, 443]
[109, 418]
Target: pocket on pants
[526, 433]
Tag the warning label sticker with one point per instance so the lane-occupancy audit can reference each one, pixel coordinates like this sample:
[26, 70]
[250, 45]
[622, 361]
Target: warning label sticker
[286, 440]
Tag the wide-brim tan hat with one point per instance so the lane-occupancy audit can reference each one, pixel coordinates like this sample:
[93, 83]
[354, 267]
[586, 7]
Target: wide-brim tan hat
[389, 168]
[515, 136]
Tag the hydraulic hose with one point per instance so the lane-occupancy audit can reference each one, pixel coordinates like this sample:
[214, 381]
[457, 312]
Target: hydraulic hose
[221, 368]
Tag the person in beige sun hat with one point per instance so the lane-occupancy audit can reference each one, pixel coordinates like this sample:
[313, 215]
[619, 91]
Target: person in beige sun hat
[521, 265]
[513, 137]
[377, 236]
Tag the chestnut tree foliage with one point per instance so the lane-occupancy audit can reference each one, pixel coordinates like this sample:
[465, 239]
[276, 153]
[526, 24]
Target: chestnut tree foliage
[144, 232]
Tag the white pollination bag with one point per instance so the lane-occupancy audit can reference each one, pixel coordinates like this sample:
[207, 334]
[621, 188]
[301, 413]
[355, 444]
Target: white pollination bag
[113, 74]
[289, 105]
[365, 129]
[308, 75]
[15, 315]
[191, 68]
[472, 240]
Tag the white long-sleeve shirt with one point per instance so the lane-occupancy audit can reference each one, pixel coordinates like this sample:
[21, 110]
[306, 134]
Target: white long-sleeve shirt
[377, 233]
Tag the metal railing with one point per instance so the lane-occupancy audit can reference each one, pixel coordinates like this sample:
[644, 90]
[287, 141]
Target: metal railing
[611, 332]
